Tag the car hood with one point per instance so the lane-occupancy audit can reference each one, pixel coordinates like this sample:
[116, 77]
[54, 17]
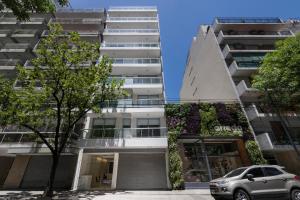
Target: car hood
[223, 179]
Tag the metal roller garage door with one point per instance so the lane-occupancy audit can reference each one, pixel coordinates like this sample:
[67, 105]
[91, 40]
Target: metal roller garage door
[142, 171]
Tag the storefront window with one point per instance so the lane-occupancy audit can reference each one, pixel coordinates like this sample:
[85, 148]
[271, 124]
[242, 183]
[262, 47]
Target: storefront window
[203, 162]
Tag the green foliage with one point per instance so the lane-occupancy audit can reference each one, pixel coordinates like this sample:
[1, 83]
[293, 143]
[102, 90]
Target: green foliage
[175, 163]
[6, 89]
[209, 121]
[66, 90]
[279, 74]
[22, 8]
[254, 153]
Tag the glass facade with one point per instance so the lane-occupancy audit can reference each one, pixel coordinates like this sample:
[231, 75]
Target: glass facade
[203, 162]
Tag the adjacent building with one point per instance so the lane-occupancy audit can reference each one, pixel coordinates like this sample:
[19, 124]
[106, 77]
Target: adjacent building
[126, 147]
[222, 60]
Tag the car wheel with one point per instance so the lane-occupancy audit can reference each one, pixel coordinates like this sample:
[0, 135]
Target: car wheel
[241, 195]
[295, 195]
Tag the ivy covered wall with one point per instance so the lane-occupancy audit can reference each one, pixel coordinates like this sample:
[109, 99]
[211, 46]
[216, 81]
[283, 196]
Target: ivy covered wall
[206, 120]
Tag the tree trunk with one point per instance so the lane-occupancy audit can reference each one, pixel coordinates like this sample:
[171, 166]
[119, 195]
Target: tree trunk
[49, 190]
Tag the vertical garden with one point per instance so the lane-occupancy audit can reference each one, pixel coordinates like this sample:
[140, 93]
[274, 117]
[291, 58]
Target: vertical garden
[206, 120]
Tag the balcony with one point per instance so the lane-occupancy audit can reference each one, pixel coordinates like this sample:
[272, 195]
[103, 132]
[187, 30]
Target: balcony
[268, 142]
[132, 19]
[247, 93]
[133, 9]
[250, 23]
[81, 24]
[16, 51]
[260, 34]
[136, 107]
[78, 20]
[243, 68]
[131, 49]
[8, 64]
[131, 32]
[228, 50]
[91, 36]
[25, 35]
[145, 66]
[256, 112]
[130, 138]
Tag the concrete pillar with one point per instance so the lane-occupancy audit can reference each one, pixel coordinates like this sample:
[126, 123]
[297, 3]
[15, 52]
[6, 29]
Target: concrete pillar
[243, 153]
[167, 169]
[77, 170]
[115, 172]
[16, 172]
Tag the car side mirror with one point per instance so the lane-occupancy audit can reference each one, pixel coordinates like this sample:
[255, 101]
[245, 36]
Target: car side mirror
[250, 177]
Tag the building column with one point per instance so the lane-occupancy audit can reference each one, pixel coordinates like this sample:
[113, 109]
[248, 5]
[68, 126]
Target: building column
[16, 172]
[115, 171]
[77, 170]
[167, 168]
[243, 153]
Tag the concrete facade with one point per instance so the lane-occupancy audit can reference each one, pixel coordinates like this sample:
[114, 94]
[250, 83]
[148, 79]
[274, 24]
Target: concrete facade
[222, 61]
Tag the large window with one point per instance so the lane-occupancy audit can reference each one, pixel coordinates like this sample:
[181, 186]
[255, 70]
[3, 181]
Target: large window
[104, 128]
[203, 162]
[148, 127]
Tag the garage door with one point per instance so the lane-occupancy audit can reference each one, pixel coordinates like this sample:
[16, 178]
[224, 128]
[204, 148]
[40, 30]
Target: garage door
[142, 171]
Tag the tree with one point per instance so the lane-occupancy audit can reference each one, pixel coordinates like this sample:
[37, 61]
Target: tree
[59, 90]
[279, 78]
[6, 91]
[22, 8]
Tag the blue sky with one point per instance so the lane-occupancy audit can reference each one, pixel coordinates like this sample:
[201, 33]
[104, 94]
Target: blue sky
[180, 19]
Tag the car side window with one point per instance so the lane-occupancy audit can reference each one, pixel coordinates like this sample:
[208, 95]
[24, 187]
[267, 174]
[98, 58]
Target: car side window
[271, 171]
[256, 172]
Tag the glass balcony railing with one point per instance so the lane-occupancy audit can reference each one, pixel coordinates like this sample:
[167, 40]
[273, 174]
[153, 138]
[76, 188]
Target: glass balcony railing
[24, 31]
[250, 47]
[130, 103]
[9, 62]
[133, 45]
[245, 64]
[136, 60]
[132, 8]
[132, 18]
[16, 46]
[78, 21]
[5, 32]
[139, 80]
[131, 31]
[232, 20]
[257, 32]
[125, 133]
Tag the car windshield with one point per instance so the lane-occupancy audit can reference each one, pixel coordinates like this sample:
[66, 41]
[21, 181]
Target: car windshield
[235, 172]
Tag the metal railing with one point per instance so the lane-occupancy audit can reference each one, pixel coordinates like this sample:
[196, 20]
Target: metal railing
[87, 10]
[255, 20]
[139, 80]
[132, 18]
[23, 137]
[250, 47]
[136, 61]
[114, 133]
[133, 45]
[5, 31]
[131, 31]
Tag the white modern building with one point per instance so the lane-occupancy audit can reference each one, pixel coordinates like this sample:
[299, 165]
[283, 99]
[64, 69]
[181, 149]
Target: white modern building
[222, 60]
[126, 146]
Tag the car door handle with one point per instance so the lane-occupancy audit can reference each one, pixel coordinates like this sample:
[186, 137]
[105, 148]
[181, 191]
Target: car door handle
[265, 181]
[284, 179]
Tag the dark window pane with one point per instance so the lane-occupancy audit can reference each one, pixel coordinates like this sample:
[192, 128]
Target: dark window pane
[256, 172]
[271, 171]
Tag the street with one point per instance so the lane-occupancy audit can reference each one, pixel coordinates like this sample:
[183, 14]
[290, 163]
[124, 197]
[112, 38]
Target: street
[201, 194]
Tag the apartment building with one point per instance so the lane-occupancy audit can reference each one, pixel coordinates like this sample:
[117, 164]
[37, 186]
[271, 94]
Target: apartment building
[125, 148]
[222, 60]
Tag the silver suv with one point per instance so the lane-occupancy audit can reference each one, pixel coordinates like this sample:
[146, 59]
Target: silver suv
[256, 182]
